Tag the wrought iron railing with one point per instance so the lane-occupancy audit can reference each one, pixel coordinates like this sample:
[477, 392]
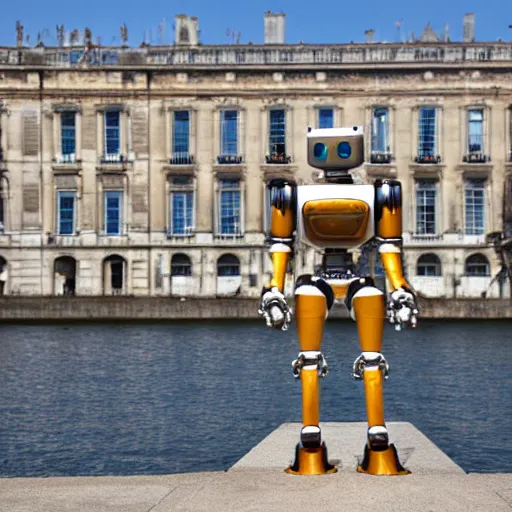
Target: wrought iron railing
[381, 157]
[277, 158]
[427, 159]
[477, 157]
[181, 158]
[230, 159]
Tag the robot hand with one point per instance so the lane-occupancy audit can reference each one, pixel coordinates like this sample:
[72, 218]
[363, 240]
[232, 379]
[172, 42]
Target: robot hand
[402, 309]
[275, 310]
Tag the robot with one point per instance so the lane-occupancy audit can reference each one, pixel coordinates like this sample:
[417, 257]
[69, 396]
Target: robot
[334, 217]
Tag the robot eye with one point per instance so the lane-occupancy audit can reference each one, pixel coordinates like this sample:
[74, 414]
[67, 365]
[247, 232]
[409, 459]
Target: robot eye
[344, 150]
[320, 151]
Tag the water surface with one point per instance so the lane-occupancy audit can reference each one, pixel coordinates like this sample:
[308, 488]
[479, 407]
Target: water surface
[114, 399]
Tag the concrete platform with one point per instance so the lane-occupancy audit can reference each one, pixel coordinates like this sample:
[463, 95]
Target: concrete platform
[258, 483]
[345, 444]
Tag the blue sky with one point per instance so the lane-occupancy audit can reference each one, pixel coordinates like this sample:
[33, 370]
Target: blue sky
[330, 21]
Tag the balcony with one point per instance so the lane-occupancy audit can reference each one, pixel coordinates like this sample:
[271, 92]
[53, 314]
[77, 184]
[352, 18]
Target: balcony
[181, 158]
[230, 159]
[381, 157]
[66, 159]
[277, 158]
[424, 158]
[113, 158]
[113, 162]
[67, 163]
[476, 157]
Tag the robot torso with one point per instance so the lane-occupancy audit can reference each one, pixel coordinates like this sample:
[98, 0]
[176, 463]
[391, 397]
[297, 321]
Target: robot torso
[335, 215]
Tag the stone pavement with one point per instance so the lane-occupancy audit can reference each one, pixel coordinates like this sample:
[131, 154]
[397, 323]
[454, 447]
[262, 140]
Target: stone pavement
[258, 483]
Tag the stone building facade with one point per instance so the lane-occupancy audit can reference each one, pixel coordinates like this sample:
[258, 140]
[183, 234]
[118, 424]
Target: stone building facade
[142, 171]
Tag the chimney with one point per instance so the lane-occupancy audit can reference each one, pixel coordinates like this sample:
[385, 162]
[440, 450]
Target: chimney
[274, 28]
[186, 30]
[469, 28]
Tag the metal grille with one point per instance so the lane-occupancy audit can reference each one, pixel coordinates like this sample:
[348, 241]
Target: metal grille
[427, 141]
[229, 207]
[426, 205]
[474, 200]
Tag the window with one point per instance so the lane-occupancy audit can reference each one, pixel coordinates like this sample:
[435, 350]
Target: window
[477, 265]
[229, 205]
[181, 218]
[228, 265]
[113, 212]
[181, 265]
[380, 136]
[181, 138]
[66, 213]
[474, 205]
[112, 136]
[277, 137]
[325, 118]
[114, 268]
[427, 136]
[3, 206]
[426, 206]
[475, 131]
[68, 136]
[228, 137]
[429, 265]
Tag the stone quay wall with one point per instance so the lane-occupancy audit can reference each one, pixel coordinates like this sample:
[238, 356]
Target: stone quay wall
[108, 308]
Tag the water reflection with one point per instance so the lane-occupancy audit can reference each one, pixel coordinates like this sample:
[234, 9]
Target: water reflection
[165, 398]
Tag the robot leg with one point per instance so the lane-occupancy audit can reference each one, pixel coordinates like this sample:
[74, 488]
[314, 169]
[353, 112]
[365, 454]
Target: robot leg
[313, 299]
[367, 307]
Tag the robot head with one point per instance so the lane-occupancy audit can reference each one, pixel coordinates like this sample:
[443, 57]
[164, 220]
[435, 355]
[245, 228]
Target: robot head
[336, 151]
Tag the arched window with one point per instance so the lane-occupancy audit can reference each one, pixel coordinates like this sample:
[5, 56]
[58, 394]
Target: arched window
[65, 275]
[228, 265]
[3, 275]
[477, 265]
[114, 267]
[429, 265]
[181, 265]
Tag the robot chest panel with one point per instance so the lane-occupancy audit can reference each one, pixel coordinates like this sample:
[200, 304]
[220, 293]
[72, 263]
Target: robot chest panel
[335, 215]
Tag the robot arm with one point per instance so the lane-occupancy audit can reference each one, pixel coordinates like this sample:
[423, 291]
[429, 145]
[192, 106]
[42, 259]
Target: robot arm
[273, 306]
[402, 308]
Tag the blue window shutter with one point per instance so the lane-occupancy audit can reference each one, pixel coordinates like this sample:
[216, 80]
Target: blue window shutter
[113, 212]
[326, 118]
[66, 213]
[229, 132]
[68, 133]
[181, 133]
[112, 132]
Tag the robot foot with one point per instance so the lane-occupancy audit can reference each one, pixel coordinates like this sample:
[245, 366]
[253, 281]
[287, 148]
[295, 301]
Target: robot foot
[381, 460]
[311, 455]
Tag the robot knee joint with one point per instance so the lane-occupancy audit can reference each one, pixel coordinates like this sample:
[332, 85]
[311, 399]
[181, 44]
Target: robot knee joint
[370, 361]
[356, 286]
[310, 360]
[319, 284]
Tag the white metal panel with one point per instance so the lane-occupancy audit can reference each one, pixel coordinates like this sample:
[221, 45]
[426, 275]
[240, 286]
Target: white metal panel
[306, 193]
